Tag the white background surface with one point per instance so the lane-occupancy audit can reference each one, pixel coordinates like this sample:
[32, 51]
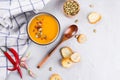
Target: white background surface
[100, 55]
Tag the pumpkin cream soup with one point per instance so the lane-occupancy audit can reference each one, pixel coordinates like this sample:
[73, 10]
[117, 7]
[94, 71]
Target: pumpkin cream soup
[43, 28]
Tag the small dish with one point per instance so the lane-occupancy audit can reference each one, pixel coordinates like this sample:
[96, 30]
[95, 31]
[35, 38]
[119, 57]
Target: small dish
[43, 28]
[71, 8]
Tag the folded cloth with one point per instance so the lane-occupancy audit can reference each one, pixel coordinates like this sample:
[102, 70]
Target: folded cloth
[14, 16]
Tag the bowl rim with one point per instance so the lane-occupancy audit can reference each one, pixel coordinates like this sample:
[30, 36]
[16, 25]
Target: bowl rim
[33, 18]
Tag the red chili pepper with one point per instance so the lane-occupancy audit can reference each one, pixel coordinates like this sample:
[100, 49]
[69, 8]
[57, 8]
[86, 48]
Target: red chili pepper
[17, 59]
[15, 54]
[19, 71]
[9, 57]
[14, 68]
[16, 62]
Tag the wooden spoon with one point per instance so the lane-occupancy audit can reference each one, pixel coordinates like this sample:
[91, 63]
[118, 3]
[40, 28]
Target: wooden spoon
[70, 32]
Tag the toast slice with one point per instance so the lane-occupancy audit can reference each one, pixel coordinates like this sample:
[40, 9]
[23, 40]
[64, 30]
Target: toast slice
[94, 17]
[66, 52]
[81, 38]
[75, 57]
[55, 77]
[66, 62]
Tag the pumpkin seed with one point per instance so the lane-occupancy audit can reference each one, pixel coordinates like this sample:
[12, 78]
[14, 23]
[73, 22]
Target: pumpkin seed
[71, 7]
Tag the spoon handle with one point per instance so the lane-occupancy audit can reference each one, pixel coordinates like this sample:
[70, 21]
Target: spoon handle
[48, 55]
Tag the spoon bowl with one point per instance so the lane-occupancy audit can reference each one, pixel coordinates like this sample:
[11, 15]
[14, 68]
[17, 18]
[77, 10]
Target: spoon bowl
[69, 33]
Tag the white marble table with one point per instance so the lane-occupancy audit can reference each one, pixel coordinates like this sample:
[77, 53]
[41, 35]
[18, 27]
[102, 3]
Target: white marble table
[100, 55]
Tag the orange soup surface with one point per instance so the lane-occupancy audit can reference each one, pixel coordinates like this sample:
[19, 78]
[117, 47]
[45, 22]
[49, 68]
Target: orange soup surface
[43, 29]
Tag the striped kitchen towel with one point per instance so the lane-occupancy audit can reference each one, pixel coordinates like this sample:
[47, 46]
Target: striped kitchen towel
[14, 16]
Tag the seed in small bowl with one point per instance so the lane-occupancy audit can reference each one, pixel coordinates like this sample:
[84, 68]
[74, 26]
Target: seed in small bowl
[71, 8]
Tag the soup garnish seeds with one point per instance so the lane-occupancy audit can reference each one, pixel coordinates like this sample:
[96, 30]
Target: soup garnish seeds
[71, 8]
